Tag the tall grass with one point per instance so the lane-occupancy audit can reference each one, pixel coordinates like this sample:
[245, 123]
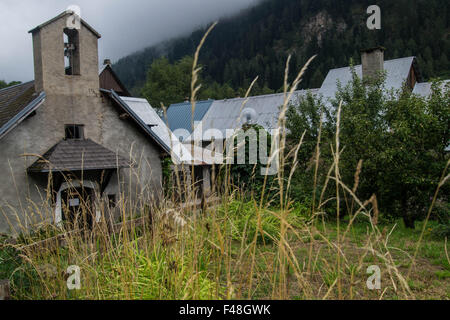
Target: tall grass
[238, 248]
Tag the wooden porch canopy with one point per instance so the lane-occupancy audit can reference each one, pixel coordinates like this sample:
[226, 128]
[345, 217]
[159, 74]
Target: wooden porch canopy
[78, 155]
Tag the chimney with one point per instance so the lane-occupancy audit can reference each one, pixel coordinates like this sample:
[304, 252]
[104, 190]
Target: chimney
[372, 62]
[107, 62]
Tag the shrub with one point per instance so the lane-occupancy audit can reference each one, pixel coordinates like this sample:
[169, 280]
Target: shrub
[400, 138]
[442, 215]
[248, 176]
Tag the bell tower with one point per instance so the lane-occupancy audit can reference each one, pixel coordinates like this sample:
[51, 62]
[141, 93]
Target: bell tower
[65, 51]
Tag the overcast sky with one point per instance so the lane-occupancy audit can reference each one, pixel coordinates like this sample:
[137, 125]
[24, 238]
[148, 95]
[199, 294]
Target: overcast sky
[125, 25]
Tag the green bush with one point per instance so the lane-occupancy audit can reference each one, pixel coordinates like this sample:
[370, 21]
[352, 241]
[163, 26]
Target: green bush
[155, 276]
[244, 221]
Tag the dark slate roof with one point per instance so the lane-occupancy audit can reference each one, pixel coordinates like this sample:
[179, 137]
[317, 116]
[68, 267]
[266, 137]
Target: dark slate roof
[179, 115]
[78, 155]
[16, 104]
[14, 99]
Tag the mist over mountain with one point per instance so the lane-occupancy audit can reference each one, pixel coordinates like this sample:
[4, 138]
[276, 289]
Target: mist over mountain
[258, 40]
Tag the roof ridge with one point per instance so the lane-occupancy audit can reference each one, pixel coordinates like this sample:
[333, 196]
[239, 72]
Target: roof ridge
[265, 95]
[409, 57]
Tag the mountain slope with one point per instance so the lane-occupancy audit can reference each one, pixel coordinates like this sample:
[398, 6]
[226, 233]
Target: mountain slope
[258, 41]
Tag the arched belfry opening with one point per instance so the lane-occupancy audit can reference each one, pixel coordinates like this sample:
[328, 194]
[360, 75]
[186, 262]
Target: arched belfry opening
[71, 52]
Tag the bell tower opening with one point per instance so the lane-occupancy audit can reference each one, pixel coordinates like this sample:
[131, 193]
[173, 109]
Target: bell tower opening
[71, 52]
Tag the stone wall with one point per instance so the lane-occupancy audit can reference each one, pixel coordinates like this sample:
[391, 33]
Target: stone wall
[22, 194]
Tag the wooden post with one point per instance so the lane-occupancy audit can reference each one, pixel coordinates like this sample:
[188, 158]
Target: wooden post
[5, 293]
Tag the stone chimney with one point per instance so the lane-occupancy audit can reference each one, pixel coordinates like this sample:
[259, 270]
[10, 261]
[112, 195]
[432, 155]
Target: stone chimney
[107, 62]
[372, 62]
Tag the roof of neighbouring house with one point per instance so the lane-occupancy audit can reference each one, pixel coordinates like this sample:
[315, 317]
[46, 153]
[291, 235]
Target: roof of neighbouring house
[78, 155]
[397, 71]
[145, 111]
[424, 89]
[179, 115]
[231, 114]
[16, 103]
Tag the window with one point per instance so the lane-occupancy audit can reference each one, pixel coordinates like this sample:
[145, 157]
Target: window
[71, 52]
[74, 131]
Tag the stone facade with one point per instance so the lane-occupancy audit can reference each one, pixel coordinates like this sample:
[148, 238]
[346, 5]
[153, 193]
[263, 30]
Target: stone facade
[70, 99]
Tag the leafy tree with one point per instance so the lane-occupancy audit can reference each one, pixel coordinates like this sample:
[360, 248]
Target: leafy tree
[362, 131]
[168, 83]
[401, 139]
[415, 152]
[304, 119]
[4, 84]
